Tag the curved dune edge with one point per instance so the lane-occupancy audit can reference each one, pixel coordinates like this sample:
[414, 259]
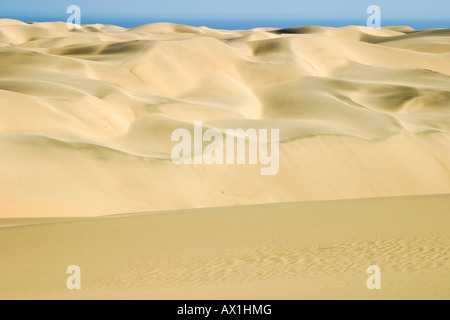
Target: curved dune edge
[282, 251]
[86, 115]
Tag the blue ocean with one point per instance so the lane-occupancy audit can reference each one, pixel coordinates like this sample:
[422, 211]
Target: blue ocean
[242, 23]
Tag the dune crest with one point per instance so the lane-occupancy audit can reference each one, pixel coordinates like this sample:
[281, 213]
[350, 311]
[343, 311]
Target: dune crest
[86, 115]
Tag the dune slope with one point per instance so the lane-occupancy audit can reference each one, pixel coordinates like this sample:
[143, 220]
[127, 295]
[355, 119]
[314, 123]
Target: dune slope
[276, 251]
[359, 110]
[86, 115]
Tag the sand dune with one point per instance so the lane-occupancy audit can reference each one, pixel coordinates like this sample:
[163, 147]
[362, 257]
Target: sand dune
[359, 112]
[279, 251]
[86, 118]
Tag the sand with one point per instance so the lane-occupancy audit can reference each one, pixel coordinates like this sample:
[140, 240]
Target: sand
[304, 250]
[85, 123]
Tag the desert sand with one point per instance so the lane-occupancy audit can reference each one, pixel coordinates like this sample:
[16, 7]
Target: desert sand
[86, 117]
[308, 250]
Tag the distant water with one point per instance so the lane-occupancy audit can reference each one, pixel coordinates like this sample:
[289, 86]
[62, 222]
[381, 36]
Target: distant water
[232, 24]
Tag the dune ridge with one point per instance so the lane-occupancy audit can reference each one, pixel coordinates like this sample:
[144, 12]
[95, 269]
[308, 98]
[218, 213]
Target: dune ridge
[359, 112]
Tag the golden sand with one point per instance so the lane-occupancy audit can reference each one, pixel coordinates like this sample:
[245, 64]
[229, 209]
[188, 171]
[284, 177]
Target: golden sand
[85, 123]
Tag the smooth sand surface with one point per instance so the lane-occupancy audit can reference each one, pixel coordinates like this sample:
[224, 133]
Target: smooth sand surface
[87, 115]
[276, 251]
[86, 118]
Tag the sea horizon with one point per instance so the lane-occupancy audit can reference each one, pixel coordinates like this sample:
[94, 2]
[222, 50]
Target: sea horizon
[243, 23]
